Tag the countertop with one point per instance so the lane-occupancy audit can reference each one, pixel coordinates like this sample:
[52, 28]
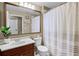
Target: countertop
[15, 44]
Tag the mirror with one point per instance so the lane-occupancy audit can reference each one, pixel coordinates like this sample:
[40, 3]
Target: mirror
[22, 20]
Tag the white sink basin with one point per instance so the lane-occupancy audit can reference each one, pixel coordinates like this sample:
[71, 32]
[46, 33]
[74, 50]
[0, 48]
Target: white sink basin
[20, 42]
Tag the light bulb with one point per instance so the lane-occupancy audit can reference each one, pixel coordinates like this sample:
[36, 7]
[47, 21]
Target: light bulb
[25, 4]
[21, 3]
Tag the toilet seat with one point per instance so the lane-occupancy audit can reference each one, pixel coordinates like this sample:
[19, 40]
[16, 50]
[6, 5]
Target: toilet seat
[43, 51]
[42, 48]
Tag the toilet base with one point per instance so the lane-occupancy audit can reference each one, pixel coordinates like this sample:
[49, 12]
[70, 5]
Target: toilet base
[41, 55]
[37, 55]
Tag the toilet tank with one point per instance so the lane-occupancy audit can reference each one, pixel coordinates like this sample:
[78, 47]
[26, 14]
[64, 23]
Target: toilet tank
[38, 41]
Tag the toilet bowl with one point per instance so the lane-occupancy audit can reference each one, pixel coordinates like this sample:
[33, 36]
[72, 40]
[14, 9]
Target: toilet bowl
[41, 49]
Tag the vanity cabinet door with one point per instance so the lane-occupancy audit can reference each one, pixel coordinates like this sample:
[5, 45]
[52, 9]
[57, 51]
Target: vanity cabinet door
[27, 50]
[29, 53]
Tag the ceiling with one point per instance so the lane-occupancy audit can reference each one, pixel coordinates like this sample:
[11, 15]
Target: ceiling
[48, 4]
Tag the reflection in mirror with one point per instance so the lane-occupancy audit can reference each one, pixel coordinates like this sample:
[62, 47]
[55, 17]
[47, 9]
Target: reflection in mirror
[22, 20]
[35, 24]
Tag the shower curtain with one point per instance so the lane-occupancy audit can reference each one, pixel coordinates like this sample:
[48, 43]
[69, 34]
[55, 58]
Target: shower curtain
[61, 30]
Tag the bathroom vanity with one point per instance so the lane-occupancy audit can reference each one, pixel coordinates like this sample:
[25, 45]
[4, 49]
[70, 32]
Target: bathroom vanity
[19, 48]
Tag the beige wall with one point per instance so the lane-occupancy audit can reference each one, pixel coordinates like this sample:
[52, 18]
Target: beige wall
[1, 14]
[1, 17]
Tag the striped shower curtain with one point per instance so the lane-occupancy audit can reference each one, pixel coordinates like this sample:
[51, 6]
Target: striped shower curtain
[61, 30]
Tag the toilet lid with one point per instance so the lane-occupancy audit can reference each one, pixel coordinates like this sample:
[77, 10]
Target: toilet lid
[42, 48]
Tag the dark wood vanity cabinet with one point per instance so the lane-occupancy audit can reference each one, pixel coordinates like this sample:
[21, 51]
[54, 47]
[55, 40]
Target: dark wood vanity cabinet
[27, 50]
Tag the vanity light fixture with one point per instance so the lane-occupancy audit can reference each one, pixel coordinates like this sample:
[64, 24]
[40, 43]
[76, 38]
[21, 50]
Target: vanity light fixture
[26, 4]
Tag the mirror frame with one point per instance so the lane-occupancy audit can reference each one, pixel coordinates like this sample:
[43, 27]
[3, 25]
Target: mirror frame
[41, 18]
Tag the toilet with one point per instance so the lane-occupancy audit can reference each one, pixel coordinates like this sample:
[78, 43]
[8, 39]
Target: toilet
[41, 50]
